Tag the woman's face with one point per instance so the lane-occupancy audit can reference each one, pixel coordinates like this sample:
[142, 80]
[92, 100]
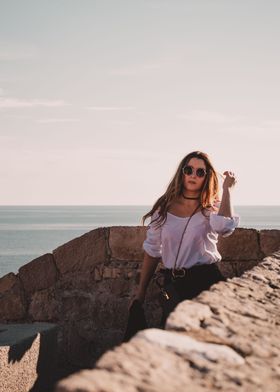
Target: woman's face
[192, 182]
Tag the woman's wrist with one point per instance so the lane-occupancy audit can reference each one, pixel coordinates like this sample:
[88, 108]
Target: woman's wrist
[227, 188]
[140, 296]
[140, 291]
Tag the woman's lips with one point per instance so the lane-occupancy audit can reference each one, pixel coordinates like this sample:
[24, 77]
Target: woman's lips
[192, 182]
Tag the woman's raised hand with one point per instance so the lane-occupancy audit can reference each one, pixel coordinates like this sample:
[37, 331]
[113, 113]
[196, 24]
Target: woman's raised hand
[229, 180]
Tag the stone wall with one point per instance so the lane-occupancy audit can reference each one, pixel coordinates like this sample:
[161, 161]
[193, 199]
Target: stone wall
[226, 339]
[85, 285]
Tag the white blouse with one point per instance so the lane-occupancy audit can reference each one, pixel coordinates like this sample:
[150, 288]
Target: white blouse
[199, 245]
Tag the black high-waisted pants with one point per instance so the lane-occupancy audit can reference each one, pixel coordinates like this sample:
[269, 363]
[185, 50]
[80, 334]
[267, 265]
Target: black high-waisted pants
[198, 278]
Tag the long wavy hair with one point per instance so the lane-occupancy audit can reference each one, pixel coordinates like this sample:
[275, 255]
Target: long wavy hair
[208, 196]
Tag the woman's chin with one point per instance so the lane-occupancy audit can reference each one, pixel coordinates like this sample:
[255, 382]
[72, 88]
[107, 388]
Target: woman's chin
[192, 189]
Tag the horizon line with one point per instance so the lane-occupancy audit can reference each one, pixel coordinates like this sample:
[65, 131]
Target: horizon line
[118, 205]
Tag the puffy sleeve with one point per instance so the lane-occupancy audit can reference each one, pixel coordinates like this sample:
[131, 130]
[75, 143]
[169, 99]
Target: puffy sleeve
[223, 225]
[152, 243]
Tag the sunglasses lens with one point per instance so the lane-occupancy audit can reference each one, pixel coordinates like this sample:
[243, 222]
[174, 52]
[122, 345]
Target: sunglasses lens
[200, 172]
[188, 170]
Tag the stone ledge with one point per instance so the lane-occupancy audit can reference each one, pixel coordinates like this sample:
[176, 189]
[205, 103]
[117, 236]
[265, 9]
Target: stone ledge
[28, 356]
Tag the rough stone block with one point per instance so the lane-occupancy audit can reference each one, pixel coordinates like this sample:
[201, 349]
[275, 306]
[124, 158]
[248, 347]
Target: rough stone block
[111, 273]
[76, 280]
[270, 241]
[137, 366]
[7, 282]
[82, 253]
[38, 274]
[78, 349]
[233, 268]
[188, 347]
[227, 269]
[76, 305]
[188, 316]
[44, 306]
[98, 271]
[126, 242]
[243, 244]
[241, 266]
[12, 301]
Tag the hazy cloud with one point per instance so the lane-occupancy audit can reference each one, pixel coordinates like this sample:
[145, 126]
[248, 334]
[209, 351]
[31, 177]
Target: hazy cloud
[157, 4]
[110, 108]
[11, 103]
[57, 120]
[206, 116]
[272, 123]
[135, 69]
[10, 52]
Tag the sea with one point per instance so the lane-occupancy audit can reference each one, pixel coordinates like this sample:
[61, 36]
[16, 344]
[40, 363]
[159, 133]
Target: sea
[27, 232]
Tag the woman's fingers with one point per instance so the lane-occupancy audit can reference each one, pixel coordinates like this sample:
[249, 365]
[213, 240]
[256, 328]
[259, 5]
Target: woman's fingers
[230, 178]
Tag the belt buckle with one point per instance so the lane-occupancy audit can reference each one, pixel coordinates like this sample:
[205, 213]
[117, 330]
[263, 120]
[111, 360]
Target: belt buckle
[178, 273]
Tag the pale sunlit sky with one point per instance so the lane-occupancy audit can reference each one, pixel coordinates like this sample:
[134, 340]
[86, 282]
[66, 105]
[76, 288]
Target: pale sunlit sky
[100, 100]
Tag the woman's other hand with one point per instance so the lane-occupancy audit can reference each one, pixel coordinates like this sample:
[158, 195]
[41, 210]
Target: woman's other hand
[139, 296]
[148, 268]
[229, 180]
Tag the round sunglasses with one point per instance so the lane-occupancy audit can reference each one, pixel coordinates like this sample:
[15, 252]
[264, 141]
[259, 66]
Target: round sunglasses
[189, 170]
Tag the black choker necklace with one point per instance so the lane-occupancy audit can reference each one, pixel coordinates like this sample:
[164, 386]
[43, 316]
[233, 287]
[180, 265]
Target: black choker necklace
[190, 198]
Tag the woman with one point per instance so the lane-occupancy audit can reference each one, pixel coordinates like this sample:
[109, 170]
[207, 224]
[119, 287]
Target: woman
[184, 228]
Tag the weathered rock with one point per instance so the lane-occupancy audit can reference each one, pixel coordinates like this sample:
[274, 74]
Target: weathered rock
[133, 367]
[82, 350]
[76, 280]
[269, 241]
[243, 244]
[188, 315]
[38, 274]
[126, 244]
[98, 271]
[82, 253]
[12, 300]
[190, 348]
[77, 304]
[111, 273]
[229, 308]
[44, 306]
[227, 268]
[7, 282]
[232, 268]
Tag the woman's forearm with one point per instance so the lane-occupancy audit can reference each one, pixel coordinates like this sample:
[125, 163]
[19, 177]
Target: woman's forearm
[226, 207]
[149, 266]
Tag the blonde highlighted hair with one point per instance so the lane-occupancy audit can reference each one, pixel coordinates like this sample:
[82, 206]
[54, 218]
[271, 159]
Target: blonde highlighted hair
[208, 196]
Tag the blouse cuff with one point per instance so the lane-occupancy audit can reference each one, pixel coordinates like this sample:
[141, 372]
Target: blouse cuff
[152, 251]
[223, 225]
[152, 243]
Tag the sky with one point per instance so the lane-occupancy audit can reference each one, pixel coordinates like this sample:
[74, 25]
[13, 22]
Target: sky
[101, 99]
